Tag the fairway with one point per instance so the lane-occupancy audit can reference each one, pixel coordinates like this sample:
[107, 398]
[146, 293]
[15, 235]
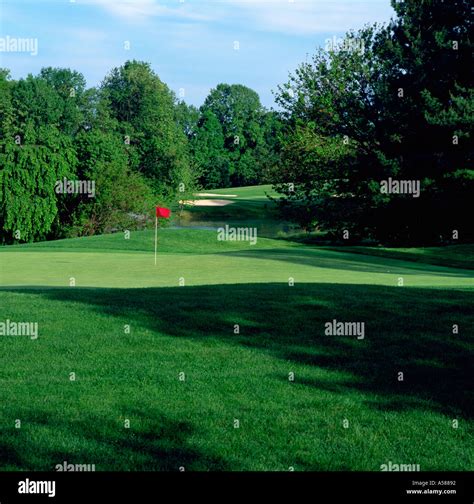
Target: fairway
[248, 206]
[163, 379]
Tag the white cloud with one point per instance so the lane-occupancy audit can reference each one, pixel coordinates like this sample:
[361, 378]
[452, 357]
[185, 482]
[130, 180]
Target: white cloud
[137, 11]
[306, 17]
[298, 17]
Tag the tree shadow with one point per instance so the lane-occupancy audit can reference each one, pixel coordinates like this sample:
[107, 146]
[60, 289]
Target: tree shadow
[407, 330]
[340, 260]
[152, 443]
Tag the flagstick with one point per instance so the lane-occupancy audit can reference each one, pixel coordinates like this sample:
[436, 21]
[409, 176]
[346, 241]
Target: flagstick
[156, 236]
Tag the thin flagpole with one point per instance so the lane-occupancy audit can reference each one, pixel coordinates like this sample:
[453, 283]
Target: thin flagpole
[156, 236]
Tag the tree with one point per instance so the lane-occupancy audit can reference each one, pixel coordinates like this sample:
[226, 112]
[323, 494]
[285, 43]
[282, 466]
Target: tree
[209, 154]
[145, 109]
[401, 106]
[428, 110]
[69, 86]
[240, 115]
[52, 128]
[187, 117]
[34, 154]
[122, 197]
[330, 149]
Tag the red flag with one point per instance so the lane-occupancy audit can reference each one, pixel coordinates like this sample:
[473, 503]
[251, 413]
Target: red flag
[163, 212]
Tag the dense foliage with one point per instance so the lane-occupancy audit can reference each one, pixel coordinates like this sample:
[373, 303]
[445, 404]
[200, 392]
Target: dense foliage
[130, 137]
[123, 137]
[232, 138]
[372, 140]
[398, 111]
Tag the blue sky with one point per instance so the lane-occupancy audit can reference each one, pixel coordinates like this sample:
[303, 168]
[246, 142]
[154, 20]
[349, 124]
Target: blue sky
[190, 44]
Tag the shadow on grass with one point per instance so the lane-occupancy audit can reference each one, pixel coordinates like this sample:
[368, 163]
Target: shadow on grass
[407, 330]
[340, 260]
[153, 443]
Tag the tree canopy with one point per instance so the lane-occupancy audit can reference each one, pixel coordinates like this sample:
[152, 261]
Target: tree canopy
[393, 106]
[372, 139]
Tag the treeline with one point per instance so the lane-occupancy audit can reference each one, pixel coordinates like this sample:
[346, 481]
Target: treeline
[378, 143]
[233, 140]
[130, 137]
[372, 140]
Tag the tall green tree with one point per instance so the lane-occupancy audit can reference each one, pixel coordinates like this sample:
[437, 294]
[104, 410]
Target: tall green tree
[427, 116]
[330, 151]
[393, 103]
[122, 198]
[145, 109]
[52, 128]
[70, 87]
[240, 115]
[187, 117]
[209, 154]
[34, 154]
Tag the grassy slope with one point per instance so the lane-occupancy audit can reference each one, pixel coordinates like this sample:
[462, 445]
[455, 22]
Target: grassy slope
[456, 256]
[197, 256]
[231, 376]
[237, 376]
[253, 208]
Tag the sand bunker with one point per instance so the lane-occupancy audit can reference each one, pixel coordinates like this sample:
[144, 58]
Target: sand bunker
[207, 202]
[212, 195]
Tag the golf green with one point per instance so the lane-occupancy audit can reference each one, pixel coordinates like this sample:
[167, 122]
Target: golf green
[218, 358]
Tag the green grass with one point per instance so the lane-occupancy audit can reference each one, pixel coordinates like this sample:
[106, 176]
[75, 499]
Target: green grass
[237, 376]
[231, 376]
[244, 193]
[197, 257]
[245, 376]
[456, 256]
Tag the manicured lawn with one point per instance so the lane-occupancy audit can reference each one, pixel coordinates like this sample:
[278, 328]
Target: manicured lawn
[456, 256]
[229, 376]
[200, 259]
